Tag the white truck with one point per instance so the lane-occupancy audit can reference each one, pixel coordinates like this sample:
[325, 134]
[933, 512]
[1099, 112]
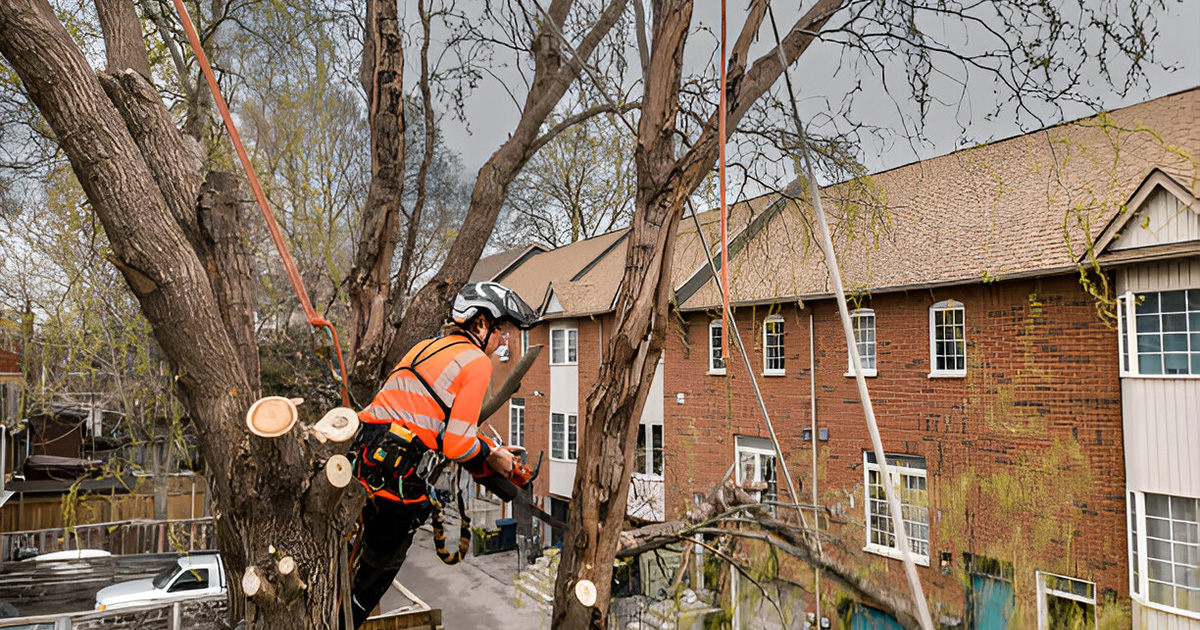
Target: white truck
[193, 576]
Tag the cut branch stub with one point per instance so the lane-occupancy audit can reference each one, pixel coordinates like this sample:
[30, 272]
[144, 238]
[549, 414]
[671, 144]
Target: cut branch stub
[271, 416]
[255, 585]
[338, 471]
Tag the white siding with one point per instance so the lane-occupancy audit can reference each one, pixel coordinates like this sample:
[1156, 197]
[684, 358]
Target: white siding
[1163, 276]
[564, 398]
[1147, 618]
[1160, 221]
[1162, 435]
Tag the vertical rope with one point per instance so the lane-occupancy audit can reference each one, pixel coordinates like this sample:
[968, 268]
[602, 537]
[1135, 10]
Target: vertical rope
[725, 328]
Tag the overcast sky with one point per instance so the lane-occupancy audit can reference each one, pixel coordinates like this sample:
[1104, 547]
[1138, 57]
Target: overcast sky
[492, 112]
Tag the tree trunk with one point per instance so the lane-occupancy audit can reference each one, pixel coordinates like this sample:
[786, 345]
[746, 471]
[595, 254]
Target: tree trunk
[664, 182]
[369, 281]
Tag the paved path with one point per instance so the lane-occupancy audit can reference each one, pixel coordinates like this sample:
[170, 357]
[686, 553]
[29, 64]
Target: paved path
[475, 593]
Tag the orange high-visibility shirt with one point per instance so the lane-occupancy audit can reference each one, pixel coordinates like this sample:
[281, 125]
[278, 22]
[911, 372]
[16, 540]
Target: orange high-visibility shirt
[459, 373]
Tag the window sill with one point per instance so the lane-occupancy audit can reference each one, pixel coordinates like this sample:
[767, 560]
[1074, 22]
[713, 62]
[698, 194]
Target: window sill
[1141, 599]
[720, 372]
[640, 476]
[866, 373]
[564, 364]
[774, 373]
[962, 374]
[559, 460]
[1161, 377]
[894, 554]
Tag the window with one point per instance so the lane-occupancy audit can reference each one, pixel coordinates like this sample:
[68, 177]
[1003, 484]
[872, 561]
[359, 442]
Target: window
[756, 467]
[516, 422]
[773, 345]
[907, 476]
[564, 344]
[947, 339]
[524, 342]
[863, 322]
[191, 580]
[1065, 603]
[563, 428]
[1164, 328]
[649, 462]
[1164, 545]
[716, 362]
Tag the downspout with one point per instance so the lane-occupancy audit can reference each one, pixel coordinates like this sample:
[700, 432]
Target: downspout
[812, 396]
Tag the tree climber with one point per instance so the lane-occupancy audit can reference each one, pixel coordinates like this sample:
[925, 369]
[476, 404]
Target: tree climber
[429, 404]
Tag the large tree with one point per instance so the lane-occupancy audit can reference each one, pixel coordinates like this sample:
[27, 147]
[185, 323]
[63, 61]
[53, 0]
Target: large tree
[175, 229]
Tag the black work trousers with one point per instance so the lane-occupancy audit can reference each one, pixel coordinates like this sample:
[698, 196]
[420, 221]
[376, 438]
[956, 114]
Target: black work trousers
[387, 533]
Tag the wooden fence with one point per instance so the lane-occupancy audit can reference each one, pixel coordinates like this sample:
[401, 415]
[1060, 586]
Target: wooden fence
[119, 538]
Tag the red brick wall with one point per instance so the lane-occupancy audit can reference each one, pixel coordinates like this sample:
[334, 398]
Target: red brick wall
[1023, 455]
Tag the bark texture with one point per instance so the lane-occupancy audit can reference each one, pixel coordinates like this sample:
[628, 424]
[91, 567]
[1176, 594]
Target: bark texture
[183, 255]
[665, 181]
[369, 282]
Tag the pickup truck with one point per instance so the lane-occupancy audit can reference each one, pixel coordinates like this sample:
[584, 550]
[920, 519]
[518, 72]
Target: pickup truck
[193, 576]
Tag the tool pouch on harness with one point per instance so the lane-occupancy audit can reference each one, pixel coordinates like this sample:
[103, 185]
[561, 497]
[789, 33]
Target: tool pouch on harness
[384, 454]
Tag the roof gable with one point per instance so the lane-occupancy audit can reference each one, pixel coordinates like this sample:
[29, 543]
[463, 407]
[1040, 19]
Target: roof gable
[1160, 211]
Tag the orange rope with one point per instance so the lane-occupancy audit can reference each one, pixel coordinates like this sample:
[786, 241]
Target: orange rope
[293, 274]
[724, 207]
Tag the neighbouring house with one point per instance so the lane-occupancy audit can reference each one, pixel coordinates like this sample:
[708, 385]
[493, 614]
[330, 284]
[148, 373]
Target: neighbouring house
[1028, 312]
[1043, 431]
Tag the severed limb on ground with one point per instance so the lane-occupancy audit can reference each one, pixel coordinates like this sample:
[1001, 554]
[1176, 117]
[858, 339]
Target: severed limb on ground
[728, 504]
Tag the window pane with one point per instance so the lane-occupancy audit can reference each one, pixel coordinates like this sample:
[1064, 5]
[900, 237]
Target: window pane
[1175, 364]
[1158, 505]
[1161, 593]
[1176, 322]
[656, 432]
[1149, 303]
[1183, 508]
[1173, 301]
[1150, 364]
[557, 346]
[1158, 528]
[572, 345]
[1149, 343]
[639, 454]
[1147, 323]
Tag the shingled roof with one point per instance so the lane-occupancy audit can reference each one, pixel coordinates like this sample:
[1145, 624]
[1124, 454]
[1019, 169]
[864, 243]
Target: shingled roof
[1025, 206]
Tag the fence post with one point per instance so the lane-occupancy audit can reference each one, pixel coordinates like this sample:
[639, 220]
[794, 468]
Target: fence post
[62, 623]
[176, 622]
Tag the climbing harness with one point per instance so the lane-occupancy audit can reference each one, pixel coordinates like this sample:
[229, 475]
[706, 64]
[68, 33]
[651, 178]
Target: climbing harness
[315, 320]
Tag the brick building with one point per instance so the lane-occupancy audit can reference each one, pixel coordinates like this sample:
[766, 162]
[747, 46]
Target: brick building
[1043, 430]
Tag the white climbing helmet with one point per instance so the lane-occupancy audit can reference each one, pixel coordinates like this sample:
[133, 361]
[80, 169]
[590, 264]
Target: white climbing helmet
[497, 300]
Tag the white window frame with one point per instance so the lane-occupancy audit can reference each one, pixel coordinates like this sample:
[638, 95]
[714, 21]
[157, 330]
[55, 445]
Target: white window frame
[713, 349]
[857, 315]
[516, 430]
[944, 307]
[567, 340]
[1129, 359]
[780, 369]
[1043, 590]
[1138, 534]
[760, 449]
[570, 438]
[897, 469]
[645, 467]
